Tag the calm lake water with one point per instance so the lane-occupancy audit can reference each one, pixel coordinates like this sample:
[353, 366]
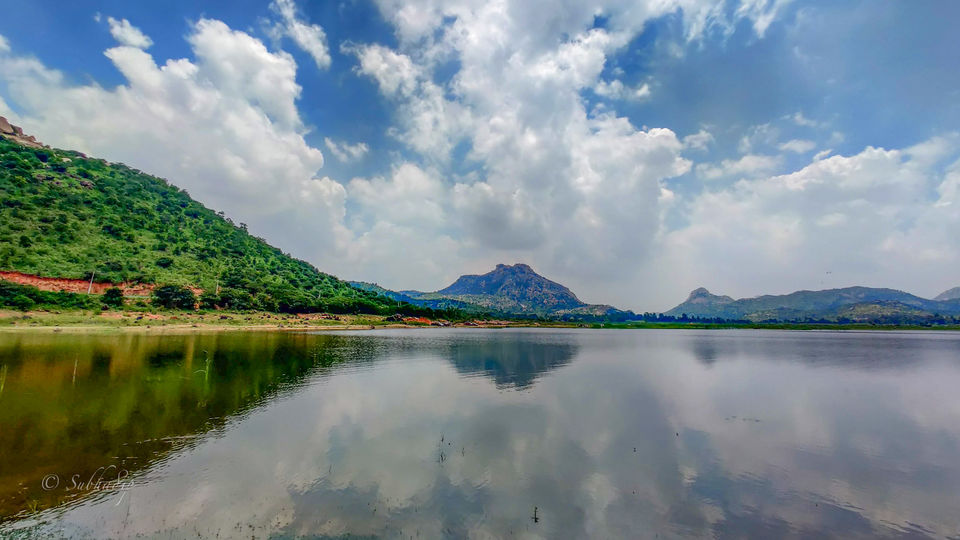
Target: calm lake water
[481, 433]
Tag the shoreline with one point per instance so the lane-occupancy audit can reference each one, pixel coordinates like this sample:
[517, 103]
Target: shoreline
[99, 322]
[160, 322]
[175, 329]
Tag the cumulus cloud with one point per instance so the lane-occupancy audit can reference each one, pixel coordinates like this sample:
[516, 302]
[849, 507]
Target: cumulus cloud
[346, 152]
[405, 215]
[127, 34]
[309, 37]
[224, 125]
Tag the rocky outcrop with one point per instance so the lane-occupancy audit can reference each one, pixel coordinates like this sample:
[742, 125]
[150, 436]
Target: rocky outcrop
[15, 134]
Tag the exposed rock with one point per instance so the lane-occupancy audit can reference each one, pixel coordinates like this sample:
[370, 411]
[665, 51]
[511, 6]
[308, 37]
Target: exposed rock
[15, 134]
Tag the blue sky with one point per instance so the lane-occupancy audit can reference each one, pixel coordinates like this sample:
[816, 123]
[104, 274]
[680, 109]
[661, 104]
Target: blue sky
[631, 150]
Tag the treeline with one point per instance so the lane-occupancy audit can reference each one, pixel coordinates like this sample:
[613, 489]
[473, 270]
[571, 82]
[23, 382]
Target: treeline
[231, 298]
[26, 297]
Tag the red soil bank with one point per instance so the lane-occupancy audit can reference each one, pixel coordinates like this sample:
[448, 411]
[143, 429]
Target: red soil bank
[80, 285]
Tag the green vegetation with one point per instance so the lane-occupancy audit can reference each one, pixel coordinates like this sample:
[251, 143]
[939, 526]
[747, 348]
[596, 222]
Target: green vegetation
[173, 297]
[65, 215]
[23, 298]
[113, 297]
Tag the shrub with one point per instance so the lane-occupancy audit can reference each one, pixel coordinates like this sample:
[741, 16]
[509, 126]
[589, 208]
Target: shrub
[173, 297]
[209, 300]
[231, 298]
[113, 297]
[21, 302]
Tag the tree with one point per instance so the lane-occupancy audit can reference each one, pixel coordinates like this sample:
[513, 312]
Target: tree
[113, 297]
[173, 297]
[21, 302]
[209, 300]
[239, 299]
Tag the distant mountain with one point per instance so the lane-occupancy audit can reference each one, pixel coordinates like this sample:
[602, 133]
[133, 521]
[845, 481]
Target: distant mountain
[952, 294]
[518, 290]
[862, 304]
[516, 286]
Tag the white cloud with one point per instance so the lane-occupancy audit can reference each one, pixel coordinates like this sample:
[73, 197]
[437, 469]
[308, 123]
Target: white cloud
[309, 37]
[127, 34]
[761, 12]
[748, 165]
[4, 44]
[699, 140]
[406, 224]
[346, 152]
[801, 120]
[615, 89]
[395, 73]
[799, 146]
[429, 122]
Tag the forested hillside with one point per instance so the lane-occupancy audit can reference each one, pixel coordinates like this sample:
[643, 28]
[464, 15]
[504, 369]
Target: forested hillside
[66, 215]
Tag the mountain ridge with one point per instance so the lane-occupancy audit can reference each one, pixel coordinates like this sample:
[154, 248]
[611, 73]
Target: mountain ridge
[519, 290]
[950, 294]
[826, 304]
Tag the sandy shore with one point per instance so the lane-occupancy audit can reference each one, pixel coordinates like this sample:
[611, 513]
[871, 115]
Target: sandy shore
[179, 322]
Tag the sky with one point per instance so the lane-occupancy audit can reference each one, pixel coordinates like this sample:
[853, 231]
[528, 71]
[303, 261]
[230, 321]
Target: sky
[631, 150]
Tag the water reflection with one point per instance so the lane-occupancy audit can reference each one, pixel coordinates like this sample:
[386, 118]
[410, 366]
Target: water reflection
[616, 434]
[86, 408]
[510, 362]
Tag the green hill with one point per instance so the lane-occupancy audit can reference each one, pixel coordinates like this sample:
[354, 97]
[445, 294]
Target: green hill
[65, 215]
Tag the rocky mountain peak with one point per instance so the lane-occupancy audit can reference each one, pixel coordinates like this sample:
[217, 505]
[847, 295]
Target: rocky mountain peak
[518, 283]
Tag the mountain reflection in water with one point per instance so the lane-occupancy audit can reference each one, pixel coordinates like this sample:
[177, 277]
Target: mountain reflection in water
[405, 433]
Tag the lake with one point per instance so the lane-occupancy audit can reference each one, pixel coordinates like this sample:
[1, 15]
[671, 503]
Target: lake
[481, 433]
